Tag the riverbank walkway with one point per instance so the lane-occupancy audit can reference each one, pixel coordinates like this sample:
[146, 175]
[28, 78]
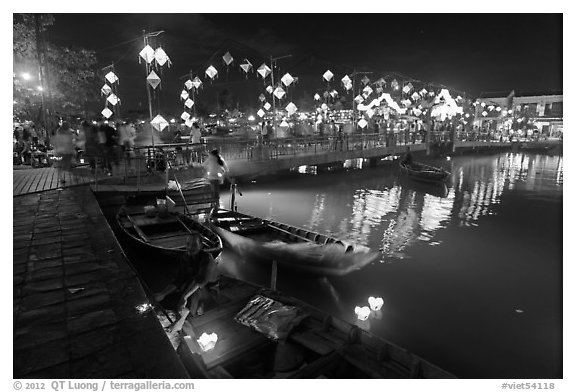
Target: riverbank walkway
[79, 310]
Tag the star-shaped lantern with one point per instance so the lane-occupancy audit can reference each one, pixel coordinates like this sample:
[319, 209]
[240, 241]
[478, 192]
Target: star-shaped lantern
[261, 113]
[106, 112]
[105, 90]
[264, 70]
[113, 99]
[159, 123]
[267, 106]
[246, 66]
[262, 98]
[184, 95]
[185, 116]
[189, 103]
[197, 83]
[111, 77]
[227, 58]
[317, 97]
[328, 75]
[362, 123]
[161, 57]
[287, 79]
[188, 84]
[291, 108]
[279, 92]
[147, 54]
[153, 79]
[365, 80]
[211, 72]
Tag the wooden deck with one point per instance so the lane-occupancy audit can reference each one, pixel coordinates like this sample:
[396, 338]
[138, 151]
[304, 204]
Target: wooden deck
[30, 180]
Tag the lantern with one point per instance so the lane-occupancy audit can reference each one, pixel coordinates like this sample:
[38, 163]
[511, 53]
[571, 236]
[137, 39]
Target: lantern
[207, 341]
[375, 303]
[362, 312]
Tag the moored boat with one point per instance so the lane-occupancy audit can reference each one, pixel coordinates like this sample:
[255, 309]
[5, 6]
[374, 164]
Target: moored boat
[163, 236]
[247, 331]
[291, 247]
[425, 173]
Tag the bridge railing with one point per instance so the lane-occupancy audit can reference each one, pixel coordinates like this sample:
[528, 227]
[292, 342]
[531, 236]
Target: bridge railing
[183, 154]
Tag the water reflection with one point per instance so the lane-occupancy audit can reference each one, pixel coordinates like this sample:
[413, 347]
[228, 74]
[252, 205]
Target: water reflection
[439, 280]
[393, 213]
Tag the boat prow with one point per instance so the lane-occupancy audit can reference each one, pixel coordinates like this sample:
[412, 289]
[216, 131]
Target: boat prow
[292, 248]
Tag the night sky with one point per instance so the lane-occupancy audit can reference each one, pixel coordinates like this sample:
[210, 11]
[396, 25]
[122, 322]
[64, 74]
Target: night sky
[472, 53]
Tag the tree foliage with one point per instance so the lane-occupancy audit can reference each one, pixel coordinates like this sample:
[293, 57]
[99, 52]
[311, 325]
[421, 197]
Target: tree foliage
[70, 73]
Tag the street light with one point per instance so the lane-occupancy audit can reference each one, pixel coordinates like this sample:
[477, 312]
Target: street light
[40, 88]
[26, 76]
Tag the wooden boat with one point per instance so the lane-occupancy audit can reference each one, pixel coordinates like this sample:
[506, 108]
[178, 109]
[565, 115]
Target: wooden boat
[261, 333]
[425, 173]
[291, 247]
[164, 236]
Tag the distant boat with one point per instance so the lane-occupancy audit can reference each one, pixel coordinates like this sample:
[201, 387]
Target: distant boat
[424, 173]
[247, 331]
[164, 237]
[293, 248]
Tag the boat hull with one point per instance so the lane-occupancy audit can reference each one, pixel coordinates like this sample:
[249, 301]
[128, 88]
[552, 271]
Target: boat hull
[427, 174]
[292, 248]
[170, 254]
[316, 346]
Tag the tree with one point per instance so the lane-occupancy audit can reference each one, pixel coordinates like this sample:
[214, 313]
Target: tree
[69, 73]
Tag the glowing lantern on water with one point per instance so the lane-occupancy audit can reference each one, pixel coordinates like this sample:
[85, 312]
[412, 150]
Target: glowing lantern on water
[362, 312]
[375, 303]
[207, 341]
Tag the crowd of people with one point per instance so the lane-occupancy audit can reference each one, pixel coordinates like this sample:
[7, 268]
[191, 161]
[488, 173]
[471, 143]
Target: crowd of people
[100, 144]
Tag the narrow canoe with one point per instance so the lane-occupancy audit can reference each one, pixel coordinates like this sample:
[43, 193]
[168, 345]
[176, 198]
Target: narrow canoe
[292, 247]
[261, 333]
[164, 237]
[425, 173]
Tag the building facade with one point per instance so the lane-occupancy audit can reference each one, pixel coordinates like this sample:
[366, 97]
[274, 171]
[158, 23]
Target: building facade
[538, 113]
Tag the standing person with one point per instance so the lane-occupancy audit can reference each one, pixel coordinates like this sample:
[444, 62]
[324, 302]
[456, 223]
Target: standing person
[126, 136]
[216, 170]
[109, 136]
[195, 139]
[91, 148]
[263, 131]
[197, 270]
[64, 147]
[34, 135]
[26, 151]
[270, 131]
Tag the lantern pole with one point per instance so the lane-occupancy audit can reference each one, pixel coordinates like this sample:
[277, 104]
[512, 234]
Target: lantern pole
[146, 36]
[272, 62]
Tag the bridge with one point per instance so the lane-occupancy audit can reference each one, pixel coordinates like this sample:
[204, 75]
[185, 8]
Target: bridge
[250, 158]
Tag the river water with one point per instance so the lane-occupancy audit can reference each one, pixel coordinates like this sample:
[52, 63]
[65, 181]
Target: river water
[470, 273]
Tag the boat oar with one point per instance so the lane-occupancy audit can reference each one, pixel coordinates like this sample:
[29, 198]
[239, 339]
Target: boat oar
[274, 275]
